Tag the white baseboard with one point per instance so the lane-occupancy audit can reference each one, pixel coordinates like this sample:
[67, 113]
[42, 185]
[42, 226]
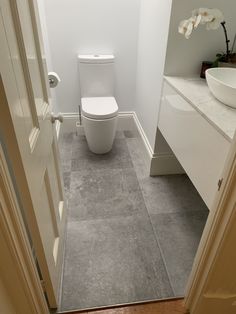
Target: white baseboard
[164, 165]
[147, 149]
[160, 164]
[126, 121]
[71, 122]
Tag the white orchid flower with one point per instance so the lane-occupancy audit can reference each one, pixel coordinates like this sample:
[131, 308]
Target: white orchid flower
[196, 20]
[186, 28]
[206, 15]
[213, 18]
[218, 18]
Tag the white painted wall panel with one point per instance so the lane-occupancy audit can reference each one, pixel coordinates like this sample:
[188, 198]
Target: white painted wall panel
[92, 26]
[153, 34]
[47, 51]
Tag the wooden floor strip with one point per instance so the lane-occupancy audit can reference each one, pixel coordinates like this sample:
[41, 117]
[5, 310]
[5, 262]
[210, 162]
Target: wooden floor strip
[162, 307]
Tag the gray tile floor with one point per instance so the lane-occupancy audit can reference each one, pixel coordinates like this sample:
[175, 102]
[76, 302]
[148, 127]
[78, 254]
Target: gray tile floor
[130, 237]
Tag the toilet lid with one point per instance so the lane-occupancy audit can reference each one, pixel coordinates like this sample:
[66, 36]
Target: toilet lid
[99, 107]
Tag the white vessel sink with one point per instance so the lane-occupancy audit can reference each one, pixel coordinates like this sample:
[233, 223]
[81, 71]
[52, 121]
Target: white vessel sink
[222, 84]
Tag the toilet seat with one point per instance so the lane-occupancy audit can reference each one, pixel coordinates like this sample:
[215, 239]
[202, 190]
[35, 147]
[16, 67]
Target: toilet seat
[99, 108]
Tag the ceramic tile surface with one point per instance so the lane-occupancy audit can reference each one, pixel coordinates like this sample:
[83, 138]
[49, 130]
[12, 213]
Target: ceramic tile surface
[112, 261]
[179, 234]
[129, 237]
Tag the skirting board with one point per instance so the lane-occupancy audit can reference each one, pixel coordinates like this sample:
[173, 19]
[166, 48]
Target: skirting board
[159, 164]
[71, 122]
[164, 165]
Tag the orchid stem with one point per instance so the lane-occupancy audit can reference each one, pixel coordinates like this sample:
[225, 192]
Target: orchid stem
[232, 49]
[226, 39]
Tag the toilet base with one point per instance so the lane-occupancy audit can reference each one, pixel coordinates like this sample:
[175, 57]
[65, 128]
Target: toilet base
[100, 134]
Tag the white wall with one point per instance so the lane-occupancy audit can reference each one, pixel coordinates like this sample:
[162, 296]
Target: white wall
[137, 32]
[184, 57]
[153, 33]
[47, 50]
[92, 26]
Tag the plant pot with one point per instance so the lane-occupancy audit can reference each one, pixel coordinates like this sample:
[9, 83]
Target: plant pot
[205, 65]
[226, 64]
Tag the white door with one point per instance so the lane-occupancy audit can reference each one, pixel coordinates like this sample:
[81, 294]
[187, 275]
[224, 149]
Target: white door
[24, 77]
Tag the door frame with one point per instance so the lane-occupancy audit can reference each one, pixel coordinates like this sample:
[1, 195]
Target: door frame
[26, 277]
[15, 233]
[218, 227]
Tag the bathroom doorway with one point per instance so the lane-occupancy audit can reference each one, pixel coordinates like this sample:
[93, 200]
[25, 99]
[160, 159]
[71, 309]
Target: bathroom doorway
[130, 237]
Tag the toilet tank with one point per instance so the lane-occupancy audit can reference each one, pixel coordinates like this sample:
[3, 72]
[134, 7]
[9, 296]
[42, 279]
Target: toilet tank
[96, 73]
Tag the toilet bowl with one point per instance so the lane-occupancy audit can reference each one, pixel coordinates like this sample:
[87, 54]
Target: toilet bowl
[99, 118]
[99, 109]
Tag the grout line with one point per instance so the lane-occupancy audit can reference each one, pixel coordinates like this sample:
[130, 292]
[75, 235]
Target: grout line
[159, 245]
[162, 254]
[154, 233]
[66, 233]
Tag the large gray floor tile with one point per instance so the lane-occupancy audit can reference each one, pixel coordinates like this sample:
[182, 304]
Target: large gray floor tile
[138, 157]
[120, 134]
[104, 194]
[66, 181]
[173, 193]
[65, 150]
[179, 235]
[66, 139]
[112, 261]
[84, 159]
[131, 134]
[112, 255]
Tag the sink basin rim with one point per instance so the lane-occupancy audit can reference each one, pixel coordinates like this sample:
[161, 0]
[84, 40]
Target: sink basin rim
[221, 83]
[209, 72]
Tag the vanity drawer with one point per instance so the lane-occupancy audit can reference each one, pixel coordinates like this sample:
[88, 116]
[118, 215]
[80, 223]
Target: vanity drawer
[200, 148]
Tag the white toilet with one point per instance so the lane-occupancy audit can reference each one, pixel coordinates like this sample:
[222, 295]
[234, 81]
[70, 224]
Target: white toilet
[99, 108]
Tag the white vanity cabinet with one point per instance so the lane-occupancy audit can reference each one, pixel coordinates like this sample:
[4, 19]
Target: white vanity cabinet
[198, 145]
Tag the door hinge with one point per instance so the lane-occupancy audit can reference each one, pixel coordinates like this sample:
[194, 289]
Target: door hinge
[43, 285]
[220, 184]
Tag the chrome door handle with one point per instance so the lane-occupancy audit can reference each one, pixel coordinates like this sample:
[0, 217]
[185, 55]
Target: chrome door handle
[57, 117]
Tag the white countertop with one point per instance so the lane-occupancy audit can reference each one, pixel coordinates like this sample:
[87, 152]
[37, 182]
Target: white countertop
[197, 93]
